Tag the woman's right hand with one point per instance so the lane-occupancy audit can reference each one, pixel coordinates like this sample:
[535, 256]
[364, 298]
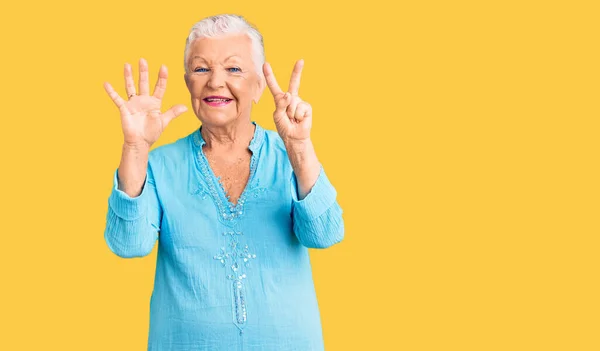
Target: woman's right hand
[141, 117]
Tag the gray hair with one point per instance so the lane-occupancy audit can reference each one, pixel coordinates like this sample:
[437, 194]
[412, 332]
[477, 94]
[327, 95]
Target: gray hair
[218, 25]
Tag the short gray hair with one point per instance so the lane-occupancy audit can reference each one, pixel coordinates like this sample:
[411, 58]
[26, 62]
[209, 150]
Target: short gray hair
[218, 25]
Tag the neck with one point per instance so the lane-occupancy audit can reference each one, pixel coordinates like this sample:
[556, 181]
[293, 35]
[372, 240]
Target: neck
[228, 138]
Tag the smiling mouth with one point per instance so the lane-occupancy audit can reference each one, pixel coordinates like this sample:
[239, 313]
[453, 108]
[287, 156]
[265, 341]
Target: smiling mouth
[217, 100]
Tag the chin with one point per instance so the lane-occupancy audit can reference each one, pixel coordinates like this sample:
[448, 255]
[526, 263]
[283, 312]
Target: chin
[217, 119]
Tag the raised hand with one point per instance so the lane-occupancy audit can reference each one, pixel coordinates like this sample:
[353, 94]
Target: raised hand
[292, 116]
[141, 117]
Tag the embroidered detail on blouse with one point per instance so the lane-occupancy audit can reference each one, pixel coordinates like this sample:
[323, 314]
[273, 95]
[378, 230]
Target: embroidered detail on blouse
[228, 211]
[257, 191]
[199, 190]
[233, 257]
[237, 259]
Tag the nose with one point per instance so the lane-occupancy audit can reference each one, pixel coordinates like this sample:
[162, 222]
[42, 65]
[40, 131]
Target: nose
[216, 80]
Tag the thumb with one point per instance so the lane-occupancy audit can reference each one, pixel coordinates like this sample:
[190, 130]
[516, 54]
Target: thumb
[173, 112]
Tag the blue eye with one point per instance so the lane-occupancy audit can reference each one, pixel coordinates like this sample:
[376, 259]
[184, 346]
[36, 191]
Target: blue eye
[234, 69]
[201, 70]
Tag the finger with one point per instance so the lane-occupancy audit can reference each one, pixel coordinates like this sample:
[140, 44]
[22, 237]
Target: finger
[302, 111]
[129, 83]
[291, 109]
[161, 83]
[295, 80]
[173, 112]
[282, 102]
[114, 96]
[144, 87]
[271, 81]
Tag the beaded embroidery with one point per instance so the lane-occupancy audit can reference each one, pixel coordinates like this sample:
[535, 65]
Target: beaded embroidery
[237, 259]
[234, 257]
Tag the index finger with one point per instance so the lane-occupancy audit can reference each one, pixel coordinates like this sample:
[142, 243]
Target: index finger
[295, 80]
[271, 81]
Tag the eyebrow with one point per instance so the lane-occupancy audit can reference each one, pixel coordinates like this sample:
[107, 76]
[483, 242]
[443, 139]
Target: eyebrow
[203, 59]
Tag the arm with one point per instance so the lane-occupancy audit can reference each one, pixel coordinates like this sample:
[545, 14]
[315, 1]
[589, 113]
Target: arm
[317, 216]
[134, 211]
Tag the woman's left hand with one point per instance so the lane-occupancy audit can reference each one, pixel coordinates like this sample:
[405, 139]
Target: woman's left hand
[292, 116]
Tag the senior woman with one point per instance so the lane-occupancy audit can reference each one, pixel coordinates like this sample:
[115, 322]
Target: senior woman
[237, 206]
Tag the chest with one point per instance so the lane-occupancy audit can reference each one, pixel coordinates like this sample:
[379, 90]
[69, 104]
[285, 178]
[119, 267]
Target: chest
[232, 171]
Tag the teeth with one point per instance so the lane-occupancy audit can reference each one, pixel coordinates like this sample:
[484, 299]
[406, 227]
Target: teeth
[214, 100]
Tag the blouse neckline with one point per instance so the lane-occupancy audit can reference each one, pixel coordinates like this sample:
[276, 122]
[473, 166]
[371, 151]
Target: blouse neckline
[228, 212]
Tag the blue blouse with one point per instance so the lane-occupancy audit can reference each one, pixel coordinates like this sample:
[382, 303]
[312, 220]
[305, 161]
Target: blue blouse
[227, 277]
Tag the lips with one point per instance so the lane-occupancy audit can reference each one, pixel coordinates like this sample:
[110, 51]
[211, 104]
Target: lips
[217, 100]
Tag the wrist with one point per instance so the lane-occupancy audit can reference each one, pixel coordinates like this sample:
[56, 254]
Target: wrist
[302, 157]
[297, 145]
[136, 147]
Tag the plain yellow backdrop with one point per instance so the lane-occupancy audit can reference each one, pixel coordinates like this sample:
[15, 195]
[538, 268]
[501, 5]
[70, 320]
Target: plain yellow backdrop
[462, 137]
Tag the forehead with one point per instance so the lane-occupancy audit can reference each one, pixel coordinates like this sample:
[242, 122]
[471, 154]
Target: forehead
[220, 48]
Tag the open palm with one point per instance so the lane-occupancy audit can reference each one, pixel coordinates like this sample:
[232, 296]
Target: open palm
[141, 118]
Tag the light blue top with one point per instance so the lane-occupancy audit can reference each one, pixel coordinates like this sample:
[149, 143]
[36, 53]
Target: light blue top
[227, 277]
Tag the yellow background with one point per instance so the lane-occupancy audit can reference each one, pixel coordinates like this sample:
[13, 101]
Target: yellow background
[462, 137]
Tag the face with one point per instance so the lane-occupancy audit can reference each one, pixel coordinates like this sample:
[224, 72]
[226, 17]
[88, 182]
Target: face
[222, 79]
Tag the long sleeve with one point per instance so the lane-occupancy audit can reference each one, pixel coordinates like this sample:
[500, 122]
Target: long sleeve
[317, 218]
[132, 224]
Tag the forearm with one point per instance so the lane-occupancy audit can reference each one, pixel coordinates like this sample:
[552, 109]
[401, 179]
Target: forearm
[132, 223]
[305, 164]
[318, 221]
[132, 169]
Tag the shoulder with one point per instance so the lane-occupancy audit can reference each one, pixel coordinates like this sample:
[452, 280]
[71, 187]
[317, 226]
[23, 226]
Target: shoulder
[274, 142]
[274, 154]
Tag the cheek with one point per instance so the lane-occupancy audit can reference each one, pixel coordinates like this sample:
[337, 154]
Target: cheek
[196, 87]
[241, 89]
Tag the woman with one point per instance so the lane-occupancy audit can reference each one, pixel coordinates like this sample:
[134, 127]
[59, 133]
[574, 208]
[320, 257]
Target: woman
[237, 206]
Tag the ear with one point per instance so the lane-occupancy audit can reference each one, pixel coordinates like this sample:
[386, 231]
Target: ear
[186, 79]
[259, 89]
